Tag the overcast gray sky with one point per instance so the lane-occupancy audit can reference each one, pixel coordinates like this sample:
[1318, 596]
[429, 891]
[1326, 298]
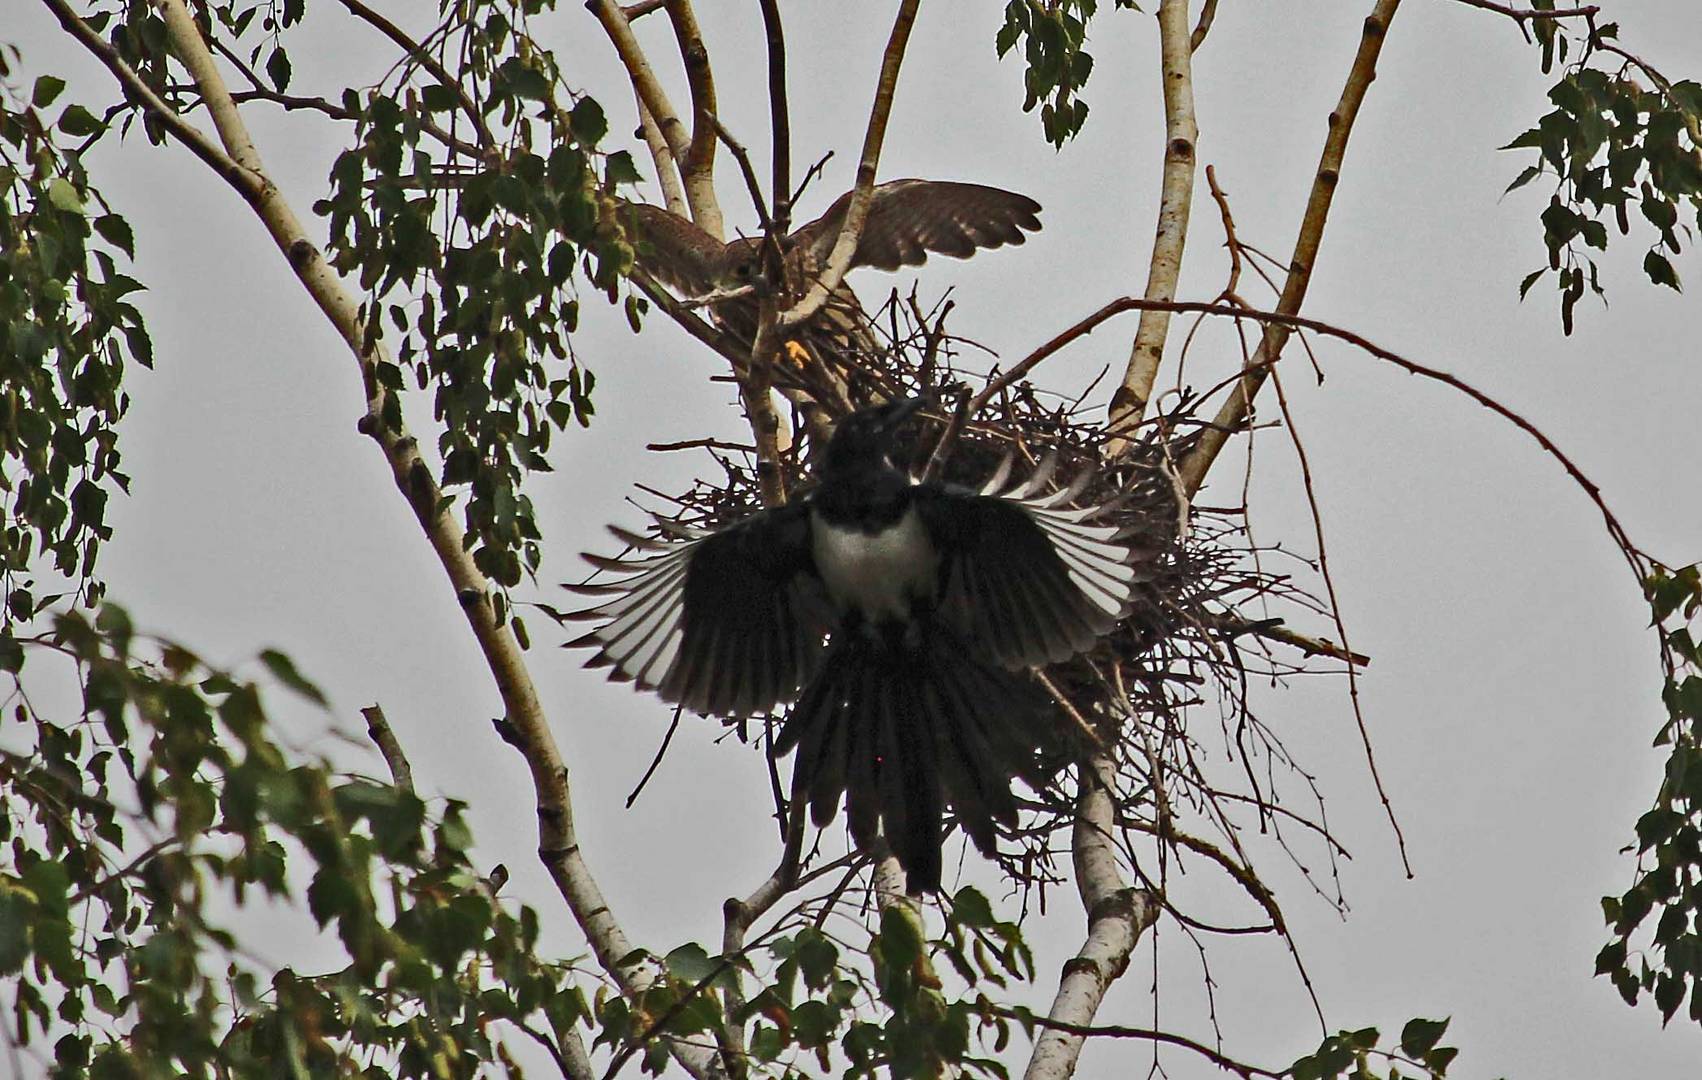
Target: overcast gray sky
[1514, 690]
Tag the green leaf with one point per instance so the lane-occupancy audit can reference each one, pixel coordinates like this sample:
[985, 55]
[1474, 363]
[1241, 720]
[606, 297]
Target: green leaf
[63, 194]
[900, 940]
[11, 653]
[588, 122]
[284, 670]
[14, 931]
[116, 231]
[77, 121]
[46, 89]
[1660, 271]
[691, 963]
[1419, 1037]
[278, 69]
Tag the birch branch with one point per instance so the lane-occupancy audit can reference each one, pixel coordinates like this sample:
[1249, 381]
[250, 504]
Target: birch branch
[644, 81]
[667, 169]
[1117, 915]
[1238, 408]
[1176, 196]
[839, 260]
[239, 163]
[697, 164]
[384, 737]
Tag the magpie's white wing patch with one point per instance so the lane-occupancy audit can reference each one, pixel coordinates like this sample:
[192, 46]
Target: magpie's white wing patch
[1031, 577]
[724, 623]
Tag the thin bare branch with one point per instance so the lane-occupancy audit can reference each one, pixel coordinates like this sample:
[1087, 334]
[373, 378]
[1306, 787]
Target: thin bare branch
[1309, 487]
[418, 52]
[1523, 15]
[748, 171]
[1176, 196]
[1081, 1032]
[1633, 555]
[1235, 411]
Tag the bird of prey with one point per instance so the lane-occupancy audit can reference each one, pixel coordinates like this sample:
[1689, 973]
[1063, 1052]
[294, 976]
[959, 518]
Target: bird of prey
[900, 617]
[907, 220]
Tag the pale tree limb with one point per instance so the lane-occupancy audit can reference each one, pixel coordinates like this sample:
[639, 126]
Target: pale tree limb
[839, 260]
[384, 737]
[667, 169]
[697, 165]
[1117, 915]
[1235, 411]
[1208, 15]
[239, 163]
[644, 81]
[1176, 196]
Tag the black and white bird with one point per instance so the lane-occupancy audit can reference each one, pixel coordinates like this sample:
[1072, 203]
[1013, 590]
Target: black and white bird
[900, 617]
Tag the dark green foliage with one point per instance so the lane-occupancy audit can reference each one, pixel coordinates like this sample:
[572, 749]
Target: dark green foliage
[1620, 136]
[1668, 884]
[1353, 1055]
[67, 330]
[1052, 36]
[467, 212]
[106, 925]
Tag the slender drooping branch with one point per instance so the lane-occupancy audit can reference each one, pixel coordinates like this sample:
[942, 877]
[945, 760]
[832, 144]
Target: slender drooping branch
[1117, 916]
[874, 137]
[1236, 410]
[1633, 555]
[240, 164]
[1176, 196]
[427, 61]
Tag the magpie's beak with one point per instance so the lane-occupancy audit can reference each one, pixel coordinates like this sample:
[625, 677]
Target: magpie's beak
[900, 411]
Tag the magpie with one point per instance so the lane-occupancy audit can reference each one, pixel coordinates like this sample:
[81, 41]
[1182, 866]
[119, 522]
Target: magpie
[900, 618]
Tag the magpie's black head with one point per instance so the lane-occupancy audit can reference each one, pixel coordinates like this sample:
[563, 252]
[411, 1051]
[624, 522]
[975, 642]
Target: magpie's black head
[863, 438]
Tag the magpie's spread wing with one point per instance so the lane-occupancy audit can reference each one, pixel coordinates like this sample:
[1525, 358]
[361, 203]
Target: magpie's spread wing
[674, 250]
[725, 623]
[908, 219]
[1029, 578]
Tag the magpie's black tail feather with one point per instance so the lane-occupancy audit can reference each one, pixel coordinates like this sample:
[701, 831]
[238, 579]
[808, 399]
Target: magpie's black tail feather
[902, 732]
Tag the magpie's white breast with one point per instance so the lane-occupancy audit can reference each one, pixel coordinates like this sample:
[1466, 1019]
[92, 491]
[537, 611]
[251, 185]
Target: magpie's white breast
[878, 574]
